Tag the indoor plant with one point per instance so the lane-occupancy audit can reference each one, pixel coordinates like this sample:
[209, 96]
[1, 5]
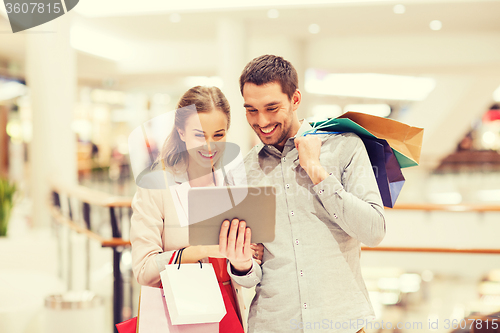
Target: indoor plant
[7, 190]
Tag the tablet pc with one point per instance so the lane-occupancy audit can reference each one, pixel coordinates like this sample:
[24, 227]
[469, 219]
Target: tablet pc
[208, 207]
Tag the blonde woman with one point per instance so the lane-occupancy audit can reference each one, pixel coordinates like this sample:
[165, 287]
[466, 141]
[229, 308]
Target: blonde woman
[195, 145]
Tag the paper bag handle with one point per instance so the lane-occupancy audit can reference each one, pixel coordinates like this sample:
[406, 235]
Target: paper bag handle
[180, 259]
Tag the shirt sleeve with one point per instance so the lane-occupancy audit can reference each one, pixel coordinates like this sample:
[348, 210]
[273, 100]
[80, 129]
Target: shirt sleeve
[146, 228]
[249, 280]
[163, 259]
[354, 202]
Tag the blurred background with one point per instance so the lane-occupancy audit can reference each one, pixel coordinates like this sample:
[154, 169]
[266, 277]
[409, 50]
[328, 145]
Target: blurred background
[73, 89]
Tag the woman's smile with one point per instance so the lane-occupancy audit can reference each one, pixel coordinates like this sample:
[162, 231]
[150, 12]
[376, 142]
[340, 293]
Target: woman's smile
[207, 155]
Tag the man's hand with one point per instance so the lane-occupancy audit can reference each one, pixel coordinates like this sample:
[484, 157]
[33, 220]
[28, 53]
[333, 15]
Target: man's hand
[258, 252]
[234, 244]
[309, 149]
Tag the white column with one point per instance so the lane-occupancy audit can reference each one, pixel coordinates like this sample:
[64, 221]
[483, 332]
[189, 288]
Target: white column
[51, 77]
[232, 49]
[299, 62]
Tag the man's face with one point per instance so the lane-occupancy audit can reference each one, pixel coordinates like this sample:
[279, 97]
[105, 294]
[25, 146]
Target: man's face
[270, 113]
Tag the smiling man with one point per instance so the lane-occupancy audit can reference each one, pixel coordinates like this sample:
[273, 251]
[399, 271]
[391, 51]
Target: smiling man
[327, 204]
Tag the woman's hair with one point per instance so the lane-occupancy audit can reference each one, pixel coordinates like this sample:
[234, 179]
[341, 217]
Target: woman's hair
[205, 99]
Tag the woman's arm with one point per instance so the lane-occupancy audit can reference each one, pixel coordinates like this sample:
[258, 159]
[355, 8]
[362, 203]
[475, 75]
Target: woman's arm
[192, 254]
[146, 236]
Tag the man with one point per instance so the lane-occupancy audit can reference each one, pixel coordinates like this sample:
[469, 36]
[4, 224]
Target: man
[327, 204]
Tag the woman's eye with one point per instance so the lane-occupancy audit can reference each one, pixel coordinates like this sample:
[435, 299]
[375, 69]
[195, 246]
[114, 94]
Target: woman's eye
[200, 135]
[219, 135]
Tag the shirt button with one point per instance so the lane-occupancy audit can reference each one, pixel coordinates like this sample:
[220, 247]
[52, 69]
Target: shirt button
[331, 173]
[284, 159]
[292, 213]
[287, 185]
[301, 273]
[305, 305]
[320, 191]
[296, 242]
[335, 215]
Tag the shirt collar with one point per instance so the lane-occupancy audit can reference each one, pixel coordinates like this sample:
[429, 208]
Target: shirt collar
[304, 127]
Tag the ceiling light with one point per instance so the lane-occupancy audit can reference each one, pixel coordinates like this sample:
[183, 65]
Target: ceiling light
[314, 28]
[369, 85]
[175, 17]
[273, 13]
[380, 110]
[436, 25]
[399, 9]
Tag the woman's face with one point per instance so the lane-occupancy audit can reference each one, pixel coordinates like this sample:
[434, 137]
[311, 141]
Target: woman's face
[201, 130]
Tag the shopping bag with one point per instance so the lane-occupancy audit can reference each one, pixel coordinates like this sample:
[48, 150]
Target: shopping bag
[405, 140]
[127, 326]
[154, 316]
[386, 168]
[192, 294]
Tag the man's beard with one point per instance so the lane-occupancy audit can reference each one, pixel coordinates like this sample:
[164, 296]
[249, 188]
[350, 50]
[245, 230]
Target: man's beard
[284, 130]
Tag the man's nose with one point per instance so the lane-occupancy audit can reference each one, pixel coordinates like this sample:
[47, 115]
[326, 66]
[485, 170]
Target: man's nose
[263, 120]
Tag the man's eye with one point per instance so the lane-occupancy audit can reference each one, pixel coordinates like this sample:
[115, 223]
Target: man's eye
[251, 110]
[272, 109]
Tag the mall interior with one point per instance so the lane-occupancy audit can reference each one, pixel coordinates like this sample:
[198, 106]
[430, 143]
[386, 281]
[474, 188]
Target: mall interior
[72, 90]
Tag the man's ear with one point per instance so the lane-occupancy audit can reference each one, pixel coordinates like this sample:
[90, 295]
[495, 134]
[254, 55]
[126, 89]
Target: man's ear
[296, 99]
[181, 134]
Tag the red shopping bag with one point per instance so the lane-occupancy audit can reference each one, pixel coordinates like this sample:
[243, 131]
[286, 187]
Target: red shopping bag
[127, 326]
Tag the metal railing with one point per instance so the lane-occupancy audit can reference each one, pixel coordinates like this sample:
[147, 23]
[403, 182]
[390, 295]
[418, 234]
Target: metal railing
[89, 198]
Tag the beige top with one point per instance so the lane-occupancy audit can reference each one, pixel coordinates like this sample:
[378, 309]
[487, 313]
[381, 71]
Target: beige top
[159, 227]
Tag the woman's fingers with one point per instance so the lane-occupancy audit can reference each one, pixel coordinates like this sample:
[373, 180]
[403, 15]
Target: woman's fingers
[247, 252]
[223, 237]
[231, 239]
[235, 241]
[240, 242]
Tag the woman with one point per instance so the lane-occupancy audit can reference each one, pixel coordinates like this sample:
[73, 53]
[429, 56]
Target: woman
[190, 154]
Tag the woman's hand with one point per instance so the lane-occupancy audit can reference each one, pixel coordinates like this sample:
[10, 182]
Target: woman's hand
[234, 244]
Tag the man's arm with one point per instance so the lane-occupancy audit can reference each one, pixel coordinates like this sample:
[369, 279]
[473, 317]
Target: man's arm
[355, 206]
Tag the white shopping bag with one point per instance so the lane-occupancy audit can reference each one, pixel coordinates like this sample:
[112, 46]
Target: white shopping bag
[192, 294]
[153, 316]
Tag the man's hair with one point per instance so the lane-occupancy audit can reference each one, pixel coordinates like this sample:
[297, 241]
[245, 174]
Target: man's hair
[270, 68]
